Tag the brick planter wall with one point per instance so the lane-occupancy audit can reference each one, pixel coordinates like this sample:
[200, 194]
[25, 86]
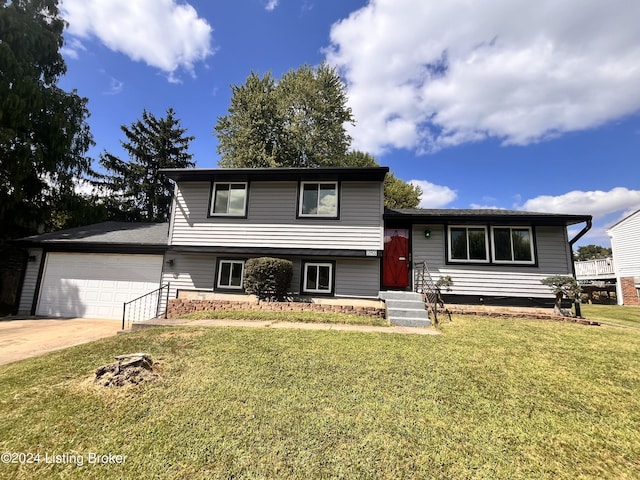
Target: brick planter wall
[629, 291]
[179, 306]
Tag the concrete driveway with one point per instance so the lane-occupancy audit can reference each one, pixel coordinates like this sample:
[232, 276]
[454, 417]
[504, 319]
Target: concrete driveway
[24, 338]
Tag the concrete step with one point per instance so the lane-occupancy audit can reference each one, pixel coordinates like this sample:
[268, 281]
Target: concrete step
[399, 304]
[407, 312]
[410, 322]
[394, 295]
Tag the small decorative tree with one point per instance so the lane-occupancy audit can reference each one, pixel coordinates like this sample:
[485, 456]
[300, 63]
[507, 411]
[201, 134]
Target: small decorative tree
[268, 278]
[444, 283]
[563, 285]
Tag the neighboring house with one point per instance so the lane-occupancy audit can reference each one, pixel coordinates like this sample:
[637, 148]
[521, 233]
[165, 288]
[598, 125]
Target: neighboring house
[626, 256]
[330, 222]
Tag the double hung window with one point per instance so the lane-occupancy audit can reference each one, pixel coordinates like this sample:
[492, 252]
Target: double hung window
[512, 245]
[230, 274]
[318, 199]
[468, 244]
[229, 199]
[318, 278]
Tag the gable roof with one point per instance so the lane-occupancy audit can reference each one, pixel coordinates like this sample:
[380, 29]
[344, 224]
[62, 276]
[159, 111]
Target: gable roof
[440, 215]
[624, 220]
[127, 235]
[362, 174]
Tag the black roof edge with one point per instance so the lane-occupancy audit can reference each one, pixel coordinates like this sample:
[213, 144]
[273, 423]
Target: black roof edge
[470, 215]
[85, 247]
[362, 174]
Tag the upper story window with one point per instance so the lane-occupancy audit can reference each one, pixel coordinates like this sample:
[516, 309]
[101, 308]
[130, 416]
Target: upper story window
[468, 244]
[512, 244]
[229, 199]
[318, 199]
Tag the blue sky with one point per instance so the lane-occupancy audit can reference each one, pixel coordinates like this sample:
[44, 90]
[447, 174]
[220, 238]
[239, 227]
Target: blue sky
[503, 103]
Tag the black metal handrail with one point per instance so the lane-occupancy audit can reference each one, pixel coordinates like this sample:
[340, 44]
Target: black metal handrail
[150, 305]
[430, 291]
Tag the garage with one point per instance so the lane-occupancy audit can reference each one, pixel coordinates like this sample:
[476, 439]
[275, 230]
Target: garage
[95, 285]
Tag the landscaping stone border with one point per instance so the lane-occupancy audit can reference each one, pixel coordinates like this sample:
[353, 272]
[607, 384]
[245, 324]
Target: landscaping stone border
[180, 306]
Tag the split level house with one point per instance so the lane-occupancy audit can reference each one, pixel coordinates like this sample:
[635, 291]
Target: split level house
[330, 222]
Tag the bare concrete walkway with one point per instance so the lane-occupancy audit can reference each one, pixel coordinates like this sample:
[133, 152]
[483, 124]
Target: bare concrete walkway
[24, 338]
[293, 325]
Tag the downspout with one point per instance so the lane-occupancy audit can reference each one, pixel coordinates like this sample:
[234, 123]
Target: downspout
[580, 234]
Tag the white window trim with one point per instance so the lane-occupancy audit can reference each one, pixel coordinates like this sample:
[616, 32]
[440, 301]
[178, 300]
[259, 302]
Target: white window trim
[219, 275]
[213, 200]
[468, 260]
[512, 262]
[304, 277]
[317, 215]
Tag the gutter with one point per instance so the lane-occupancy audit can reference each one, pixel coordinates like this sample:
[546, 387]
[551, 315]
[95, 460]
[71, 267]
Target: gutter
[581, 233]
[578, 236]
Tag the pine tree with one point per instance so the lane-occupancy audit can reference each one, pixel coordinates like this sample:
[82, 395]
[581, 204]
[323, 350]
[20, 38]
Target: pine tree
[135, 190]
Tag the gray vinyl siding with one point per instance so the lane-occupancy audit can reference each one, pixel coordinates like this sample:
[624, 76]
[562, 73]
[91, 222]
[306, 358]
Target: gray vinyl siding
[271, 219]
[353, 277]
[30, 282]
[626, 247]
[358, 277]
[189, 272]
[495, 279]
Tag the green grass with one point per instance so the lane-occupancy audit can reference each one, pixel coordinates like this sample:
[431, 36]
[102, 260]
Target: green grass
[489, 398]
[624, 315]
[287, 316]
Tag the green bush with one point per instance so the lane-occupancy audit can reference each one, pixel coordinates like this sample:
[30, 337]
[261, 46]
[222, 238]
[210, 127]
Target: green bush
[268, 278]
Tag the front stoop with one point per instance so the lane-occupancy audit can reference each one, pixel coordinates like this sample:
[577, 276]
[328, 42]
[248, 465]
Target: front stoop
[406, 309]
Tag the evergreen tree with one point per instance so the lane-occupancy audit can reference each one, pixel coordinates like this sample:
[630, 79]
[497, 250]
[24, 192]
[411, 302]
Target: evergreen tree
[135, 190]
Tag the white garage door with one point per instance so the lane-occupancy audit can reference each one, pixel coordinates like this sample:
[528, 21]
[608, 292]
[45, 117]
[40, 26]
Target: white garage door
[95, 285]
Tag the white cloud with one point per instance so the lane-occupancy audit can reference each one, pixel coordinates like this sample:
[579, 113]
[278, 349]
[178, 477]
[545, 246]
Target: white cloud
[597, 202]
[434, 196]
[427, 74]
[164, 34]
[271, 5]
[477, 206]
[72, 48]
[115, 86]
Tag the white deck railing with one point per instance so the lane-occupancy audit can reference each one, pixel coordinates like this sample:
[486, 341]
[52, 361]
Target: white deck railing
[595, 269]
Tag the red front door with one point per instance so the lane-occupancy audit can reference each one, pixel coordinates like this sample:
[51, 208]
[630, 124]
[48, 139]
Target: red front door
[395, 258]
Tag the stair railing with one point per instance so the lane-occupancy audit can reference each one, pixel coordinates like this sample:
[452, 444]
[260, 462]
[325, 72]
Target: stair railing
[150, 305]
[430, 291]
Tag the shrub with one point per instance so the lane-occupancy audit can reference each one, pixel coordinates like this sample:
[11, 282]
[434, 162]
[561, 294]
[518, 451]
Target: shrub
[268, 278]
[563, 285]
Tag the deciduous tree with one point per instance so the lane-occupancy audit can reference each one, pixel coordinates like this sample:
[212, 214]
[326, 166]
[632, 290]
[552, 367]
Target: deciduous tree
[298, 121]
[44, 136]
[397, 192]
[591, 252]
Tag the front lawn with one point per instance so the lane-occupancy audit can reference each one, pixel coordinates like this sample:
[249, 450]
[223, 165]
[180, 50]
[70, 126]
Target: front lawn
[500, 399]
[624, 315]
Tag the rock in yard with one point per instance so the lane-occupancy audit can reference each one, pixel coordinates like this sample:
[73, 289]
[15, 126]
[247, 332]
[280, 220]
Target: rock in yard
[130, 369]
